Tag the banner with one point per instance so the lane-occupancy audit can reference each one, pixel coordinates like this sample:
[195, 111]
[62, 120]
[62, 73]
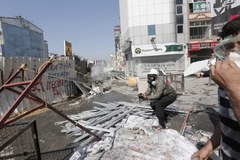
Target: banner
[222, 11]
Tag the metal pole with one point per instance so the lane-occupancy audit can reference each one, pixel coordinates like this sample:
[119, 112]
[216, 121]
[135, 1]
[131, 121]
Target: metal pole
[23, 115]
[17, 84]
[23, 94]
[35, 139]
[63, 115]
[183, 126]
[11, 78]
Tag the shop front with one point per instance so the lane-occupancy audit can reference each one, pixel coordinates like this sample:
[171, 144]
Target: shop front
[198, 51]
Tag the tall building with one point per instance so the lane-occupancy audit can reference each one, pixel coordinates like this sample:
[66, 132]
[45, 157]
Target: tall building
[153, 35]
[120, 57]
[21, 38]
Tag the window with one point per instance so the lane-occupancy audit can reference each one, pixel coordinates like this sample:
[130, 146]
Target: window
[179, 9]
[151, 30]
[191, 7]
[179, 29]
[199, 29]
[179, 19]
[179, 1]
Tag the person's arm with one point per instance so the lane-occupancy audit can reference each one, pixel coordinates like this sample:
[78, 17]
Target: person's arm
[203, 74]
[227, 75]
[148, 91]
[205, 152]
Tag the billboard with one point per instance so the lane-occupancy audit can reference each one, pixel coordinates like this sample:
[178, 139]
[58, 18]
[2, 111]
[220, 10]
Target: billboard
[67, 49]
[222, 11]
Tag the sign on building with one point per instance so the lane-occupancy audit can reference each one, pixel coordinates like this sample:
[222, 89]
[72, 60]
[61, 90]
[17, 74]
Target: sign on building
[67, 49]
[199, 7]
[156, 50]
[196, 46]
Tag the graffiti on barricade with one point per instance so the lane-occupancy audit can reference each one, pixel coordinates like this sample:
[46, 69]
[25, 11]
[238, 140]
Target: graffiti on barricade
[54, 86]
[57, 76]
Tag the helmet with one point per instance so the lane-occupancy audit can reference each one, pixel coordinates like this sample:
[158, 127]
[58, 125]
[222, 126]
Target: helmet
[153, 71]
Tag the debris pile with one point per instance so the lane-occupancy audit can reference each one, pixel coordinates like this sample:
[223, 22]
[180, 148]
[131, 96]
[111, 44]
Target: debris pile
[126, 131]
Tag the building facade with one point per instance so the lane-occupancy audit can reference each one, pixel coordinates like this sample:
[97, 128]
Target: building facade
[206, 18]
[201, 40]
[21, 38]
[153, 35]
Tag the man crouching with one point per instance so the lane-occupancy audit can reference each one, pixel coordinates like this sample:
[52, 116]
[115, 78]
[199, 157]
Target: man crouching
[160, 95]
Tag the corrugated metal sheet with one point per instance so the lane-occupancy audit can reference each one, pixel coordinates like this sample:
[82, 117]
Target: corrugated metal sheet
[54, 86]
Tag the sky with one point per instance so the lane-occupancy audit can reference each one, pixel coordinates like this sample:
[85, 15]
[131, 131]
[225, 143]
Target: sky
[87, 24]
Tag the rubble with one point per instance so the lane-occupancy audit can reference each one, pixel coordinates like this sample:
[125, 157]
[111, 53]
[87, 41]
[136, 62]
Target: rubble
[127, 128]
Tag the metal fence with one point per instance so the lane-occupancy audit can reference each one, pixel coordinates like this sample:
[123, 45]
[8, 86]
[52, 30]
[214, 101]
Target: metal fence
[176, 80]
[19, 141]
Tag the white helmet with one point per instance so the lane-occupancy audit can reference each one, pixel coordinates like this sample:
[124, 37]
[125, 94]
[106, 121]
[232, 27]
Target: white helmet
[153, 71]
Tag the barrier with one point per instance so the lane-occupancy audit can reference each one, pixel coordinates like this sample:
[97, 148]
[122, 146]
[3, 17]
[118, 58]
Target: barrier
[54, 86]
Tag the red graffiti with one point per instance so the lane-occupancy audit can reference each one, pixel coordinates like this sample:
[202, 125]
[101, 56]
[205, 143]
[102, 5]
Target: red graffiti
[54, 86]
[38, 88]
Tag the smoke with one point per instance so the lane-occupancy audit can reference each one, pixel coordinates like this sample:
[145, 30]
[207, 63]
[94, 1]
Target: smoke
[98, 72]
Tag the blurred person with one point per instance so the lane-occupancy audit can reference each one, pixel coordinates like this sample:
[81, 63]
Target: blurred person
[160, 95]
[226, 73]
[212, 60]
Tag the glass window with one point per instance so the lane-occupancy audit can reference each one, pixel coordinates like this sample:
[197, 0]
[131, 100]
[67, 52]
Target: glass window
[190, 7]
[179, 29]
[179, 2]
[198, 32]
[151, 30]
[179, 9]
[199, 29]
[179, 19]
[200, 23]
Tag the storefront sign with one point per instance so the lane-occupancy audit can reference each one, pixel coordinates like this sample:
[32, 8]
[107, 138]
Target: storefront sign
[156, 50]
[201, 45]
